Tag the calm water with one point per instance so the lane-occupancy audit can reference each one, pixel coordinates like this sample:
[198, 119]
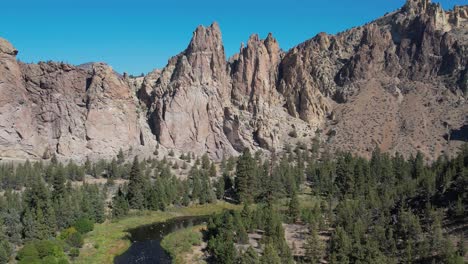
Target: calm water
[146, 241]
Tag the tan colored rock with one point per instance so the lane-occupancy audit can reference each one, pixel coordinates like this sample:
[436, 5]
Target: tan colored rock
[191, 92]
[255, 73]
[395, 83]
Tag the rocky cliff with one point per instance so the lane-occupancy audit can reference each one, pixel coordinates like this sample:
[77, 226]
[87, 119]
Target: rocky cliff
[399, 83]
[69, 110]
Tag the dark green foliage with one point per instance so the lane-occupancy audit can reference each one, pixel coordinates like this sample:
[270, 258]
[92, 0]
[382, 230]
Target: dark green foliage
[249, 257]
[220, 188]
[42, 251]
[231, 227]
[120, 157]
[136, 187]
[74, 252]
[245, 174]
[314, 248]
[5, 246]
[270, 255]
[84, 225]
[120, 204]
[293, 208]
[75, 240]
[384, 210]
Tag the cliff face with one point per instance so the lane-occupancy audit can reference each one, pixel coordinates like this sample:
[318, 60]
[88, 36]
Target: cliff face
[186, 108]
[399, 82]
[72, 111]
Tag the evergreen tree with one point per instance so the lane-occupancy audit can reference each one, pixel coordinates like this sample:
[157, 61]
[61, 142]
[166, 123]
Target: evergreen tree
[270, 255]
[120, 157]
[249, 257]
[314, 247]
[5, 247]
[212, 171]
[205, 162]
[418, 166]
[220, 188]
[88, 166]
[245, 177]
[136, 187]
[58, 183]
[119, 205]
[341, 246]
[294, 208]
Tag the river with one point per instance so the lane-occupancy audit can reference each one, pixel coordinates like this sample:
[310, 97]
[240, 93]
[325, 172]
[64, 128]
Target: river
[146, 241]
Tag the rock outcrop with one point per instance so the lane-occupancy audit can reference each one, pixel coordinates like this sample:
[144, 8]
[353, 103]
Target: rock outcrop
[189, 96]
[399, 83]
[71, 111]
[254, 73]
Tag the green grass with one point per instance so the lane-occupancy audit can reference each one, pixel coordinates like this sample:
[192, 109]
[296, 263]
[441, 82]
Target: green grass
[110, 239]
[178, 243]
[306, 199]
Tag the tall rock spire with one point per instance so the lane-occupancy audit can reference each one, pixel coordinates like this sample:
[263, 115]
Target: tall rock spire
[205, 56]
[255, 71]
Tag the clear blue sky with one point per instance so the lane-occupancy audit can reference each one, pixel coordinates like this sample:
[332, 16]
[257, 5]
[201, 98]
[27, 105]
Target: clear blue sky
[140, 35]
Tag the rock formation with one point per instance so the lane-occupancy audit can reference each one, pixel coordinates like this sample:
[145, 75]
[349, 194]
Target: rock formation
[399, 83]
[71, 111]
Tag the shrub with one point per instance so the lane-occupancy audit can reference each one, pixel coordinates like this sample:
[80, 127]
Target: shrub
[67, 232]
[30, 260]
[75, 240]
[29, 251]
[50, 260]
[48, 248]
[74, 252]
[84, 225]
[42, 251]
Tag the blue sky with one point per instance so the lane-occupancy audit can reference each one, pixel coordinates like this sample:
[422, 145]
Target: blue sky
[140, 35]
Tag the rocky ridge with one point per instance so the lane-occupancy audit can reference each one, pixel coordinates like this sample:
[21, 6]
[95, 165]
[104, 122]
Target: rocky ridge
[399, 83]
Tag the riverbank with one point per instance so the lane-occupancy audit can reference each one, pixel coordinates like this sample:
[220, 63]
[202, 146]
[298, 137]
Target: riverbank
[110, 239]
[181, 244]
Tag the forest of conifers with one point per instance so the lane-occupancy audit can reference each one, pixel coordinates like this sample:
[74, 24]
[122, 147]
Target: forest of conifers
[388, 209]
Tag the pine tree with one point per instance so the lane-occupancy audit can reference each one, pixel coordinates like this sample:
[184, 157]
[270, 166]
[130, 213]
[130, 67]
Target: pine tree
[249, 257]
[29, 222]
[119, 205]
[13, 226]
[270, 255]
[341, 246]
[314, 247]
[212, 170]
[293, 208]
[120, 157]
[345, 174]
[58, 183]
[5, 247]
[136, 187]
[205, 162]
[418, 166]
[220, 188]
[40, 226]
[245, 177]
[88, 168]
